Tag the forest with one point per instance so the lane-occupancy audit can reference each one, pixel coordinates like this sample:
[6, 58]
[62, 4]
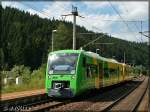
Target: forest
[26, 40]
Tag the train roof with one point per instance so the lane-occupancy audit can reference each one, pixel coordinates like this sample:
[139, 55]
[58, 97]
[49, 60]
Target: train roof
[89, 53]
[101, 58]
[66, 51]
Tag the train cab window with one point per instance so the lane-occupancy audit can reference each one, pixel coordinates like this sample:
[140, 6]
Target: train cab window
[62, 63]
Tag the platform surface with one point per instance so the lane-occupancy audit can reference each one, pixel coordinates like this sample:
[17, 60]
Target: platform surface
[14, 95]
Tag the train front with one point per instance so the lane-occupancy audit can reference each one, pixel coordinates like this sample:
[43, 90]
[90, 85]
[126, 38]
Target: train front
[61, 74]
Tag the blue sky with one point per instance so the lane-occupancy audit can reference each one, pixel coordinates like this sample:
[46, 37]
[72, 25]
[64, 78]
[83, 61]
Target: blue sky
[95, 14]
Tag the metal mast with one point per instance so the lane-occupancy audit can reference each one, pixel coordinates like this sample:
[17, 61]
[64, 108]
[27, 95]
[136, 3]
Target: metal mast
[74, 13]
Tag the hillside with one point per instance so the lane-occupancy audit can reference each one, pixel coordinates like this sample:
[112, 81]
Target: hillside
[26, 40]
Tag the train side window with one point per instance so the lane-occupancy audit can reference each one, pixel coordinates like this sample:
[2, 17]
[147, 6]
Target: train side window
[113, 71]
[91, 70]
[94, 69]
[106, 73]
[84, 62]
[100, 67]
[88, 71]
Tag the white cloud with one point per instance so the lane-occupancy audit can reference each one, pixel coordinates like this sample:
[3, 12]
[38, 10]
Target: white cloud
[21, 6]
[134, 10]
[33, 12]
[96, 4]
[128, 10]
[10, 4]
[13, 4]
[95, 21]
[56, 9]
[131, 37]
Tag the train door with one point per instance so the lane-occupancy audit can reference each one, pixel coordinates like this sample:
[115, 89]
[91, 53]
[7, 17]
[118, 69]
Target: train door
[96, 74]
[121, 73]
[101, 74]
[124, 72]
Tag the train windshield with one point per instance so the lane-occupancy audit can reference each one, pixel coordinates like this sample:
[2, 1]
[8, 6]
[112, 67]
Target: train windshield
[62, 63]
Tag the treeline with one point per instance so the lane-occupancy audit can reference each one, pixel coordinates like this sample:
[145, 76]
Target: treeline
[26, 40]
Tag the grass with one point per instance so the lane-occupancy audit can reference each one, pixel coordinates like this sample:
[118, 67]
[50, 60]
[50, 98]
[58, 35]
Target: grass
[39, 84]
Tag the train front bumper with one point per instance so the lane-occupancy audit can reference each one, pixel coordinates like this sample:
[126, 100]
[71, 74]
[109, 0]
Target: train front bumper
[63, 93]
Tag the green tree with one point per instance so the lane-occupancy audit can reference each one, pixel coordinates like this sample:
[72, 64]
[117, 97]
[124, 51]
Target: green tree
[1, 58]
[21, 71]
[62, 39]
[26, 40]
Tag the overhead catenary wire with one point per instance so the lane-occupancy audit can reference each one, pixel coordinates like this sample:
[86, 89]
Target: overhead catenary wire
[91, 42]
[118, 20]
[129, 30]
[121, 18]
[46, 14]
[118, 14]
[97, 39]
[138, 29]
[94, 27]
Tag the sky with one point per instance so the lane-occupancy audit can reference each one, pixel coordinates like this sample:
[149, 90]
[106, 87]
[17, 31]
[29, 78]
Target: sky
[114, 18]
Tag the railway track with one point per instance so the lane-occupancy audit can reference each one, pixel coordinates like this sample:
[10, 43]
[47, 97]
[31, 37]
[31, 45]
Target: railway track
[39, 105]
[108, 100]
[45, 105]
[129, 101]
[145, 103]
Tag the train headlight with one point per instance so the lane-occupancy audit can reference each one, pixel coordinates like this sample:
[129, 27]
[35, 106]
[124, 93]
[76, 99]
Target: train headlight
[49, 76]
[50, 72]
[72, 71]
[73, 77]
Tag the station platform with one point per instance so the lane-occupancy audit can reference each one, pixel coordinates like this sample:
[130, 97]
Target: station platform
[22, 94]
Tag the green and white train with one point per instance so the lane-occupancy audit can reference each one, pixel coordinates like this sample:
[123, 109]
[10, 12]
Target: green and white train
[72, 72]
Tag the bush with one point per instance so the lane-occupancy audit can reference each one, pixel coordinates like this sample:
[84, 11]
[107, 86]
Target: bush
[34, 80]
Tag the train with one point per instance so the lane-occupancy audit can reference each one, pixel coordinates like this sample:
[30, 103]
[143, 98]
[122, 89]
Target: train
[70, 73]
